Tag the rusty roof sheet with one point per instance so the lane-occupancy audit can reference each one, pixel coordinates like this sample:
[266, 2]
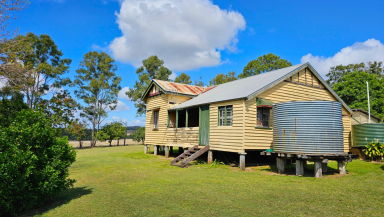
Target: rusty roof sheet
[182, 88]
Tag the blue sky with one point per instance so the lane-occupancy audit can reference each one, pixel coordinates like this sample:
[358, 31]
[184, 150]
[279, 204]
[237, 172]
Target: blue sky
[203, 38]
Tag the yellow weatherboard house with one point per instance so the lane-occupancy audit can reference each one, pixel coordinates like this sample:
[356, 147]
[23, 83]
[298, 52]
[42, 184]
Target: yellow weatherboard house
[233, 117]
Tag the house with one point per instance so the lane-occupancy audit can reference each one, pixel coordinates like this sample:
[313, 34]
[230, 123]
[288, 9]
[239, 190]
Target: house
[361, 116]
[231, 117]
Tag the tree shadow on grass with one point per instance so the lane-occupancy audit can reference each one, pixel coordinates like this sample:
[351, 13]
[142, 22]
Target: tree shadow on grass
[64, 198]
[382, 167]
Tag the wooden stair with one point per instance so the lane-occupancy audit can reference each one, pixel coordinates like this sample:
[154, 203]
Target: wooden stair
[188, 156]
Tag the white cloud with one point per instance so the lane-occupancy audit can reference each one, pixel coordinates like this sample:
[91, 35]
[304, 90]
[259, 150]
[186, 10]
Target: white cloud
[173, 76]
[100, 48]
[122, 94]
[114, 118]
[370, 50]
[120, 107]
[136, 122]
[185, 34]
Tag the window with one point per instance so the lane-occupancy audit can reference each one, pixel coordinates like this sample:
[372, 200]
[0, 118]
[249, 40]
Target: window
[225, 115]
[263, 117]
[156, 119]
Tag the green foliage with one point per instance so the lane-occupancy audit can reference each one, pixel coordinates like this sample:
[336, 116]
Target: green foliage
[374, 149]
[152, 68]
[34, 163]
[183, 78]
[216, 163]
[42, 64]
[337, 72]
[199, 83]
[9, 109]
[112, 131]
[139, 135]
[265, 63]
[222, 78]
[352, 89]
[60, 108]
[78, 129]
[98, 87]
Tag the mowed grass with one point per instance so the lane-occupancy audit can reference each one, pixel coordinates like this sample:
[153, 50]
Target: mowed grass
[122, 181]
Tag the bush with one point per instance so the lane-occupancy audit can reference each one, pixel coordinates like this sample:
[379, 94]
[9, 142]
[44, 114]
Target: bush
[139, 135]
[33, 162]
[374, 150]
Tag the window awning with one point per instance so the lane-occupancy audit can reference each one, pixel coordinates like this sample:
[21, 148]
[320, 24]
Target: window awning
[264, 103]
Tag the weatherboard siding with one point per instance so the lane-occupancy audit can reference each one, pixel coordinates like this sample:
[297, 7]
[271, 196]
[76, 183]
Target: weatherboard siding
[227, 138]
[261, 139]
[152, 136]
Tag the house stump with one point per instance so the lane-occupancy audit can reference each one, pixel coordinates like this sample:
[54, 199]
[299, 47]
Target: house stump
[280, 163]
[341, 166]
[318, 170]
[299, 167]
[242, 161]
[210, 157]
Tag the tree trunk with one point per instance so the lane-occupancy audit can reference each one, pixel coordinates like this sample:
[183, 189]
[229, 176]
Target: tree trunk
[79, 143]
[110, 143]
[124, 139]
[118, 140]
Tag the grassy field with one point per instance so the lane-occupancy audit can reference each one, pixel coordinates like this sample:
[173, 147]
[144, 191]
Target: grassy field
[122, 181]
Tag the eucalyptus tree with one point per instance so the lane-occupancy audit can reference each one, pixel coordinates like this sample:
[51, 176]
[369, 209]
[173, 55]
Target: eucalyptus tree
[152, 68]
[222, 78]
[265, 63]
[98, 87]
[183, 78]
[33, 65]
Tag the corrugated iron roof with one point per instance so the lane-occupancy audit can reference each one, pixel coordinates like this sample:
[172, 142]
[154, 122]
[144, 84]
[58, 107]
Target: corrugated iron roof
[251, 86]
[182, 88]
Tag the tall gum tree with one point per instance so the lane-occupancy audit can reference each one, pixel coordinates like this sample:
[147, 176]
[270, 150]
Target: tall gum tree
[40, 65]
[265, 63]
[98, 86]
[152, 68]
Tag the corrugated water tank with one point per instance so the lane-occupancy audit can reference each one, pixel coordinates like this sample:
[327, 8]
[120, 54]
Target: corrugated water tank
[308, 127]
[365, 133]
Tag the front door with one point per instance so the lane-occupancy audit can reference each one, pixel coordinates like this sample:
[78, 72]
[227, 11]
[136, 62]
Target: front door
[204, 125]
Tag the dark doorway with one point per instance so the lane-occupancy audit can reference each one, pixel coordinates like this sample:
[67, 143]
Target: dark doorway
[181, 118]
[193, 117]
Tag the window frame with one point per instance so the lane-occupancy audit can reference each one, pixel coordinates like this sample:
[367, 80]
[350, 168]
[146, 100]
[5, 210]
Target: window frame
[225, 118]
[261, 110]
[156, 119]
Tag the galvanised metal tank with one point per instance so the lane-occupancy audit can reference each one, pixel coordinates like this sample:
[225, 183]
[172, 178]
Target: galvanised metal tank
[308, 127]
[364, 133]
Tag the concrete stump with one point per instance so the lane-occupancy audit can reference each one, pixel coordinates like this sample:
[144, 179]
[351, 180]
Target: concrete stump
[166, 151]
[299, 167]
[242, 161]
[155, 150]
[280, 163]
[324, 167]
[210, 157]
[318, 170]
[341, 166]
[145, 149]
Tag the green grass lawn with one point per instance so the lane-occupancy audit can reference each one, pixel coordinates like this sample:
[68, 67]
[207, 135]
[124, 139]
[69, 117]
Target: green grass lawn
[122, 181]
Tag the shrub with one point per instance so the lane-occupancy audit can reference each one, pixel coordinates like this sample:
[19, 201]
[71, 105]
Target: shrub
[33, 162]
[139, 135]
[374, 150]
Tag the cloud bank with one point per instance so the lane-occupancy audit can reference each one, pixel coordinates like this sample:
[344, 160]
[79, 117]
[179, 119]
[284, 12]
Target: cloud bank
[185, 34]
[370, 50]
